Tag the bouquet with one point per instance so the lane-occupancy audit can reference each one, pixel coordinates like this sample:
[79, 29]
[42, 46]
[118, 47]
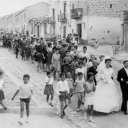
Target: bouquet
[103, 78]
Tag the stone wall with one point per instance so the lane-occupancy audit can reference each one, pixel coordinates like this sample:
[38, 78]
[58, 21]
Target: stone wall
[104, 8]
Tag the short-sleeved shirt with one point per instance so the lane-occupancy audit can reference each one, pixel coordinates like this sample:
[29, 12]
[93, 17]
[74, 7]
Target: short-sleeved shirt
[84, 55]
[79, 85]
[1, 83]
[50, 82]
[25, 90]
[70, 83]
[82, 70]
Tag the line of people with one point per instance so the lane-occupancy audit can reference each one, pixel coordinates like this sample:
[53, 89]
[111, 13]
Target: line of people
[81, 74]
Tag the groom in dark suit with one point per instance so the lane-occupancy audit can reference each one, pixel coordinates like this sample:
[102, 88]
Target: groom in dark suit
[93, 69]
[122, 77]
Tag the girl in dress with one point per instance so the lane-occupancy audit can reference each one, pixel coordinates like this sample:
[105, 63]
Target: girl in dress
[49, 88]
[2, 97]
[89, 97]
[56, 63]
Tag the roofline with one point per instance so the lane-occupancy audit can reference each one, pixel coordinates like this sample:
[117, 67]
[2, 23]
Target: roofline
[3, 18]
[20, 12]
[37, 3]
[9, 16]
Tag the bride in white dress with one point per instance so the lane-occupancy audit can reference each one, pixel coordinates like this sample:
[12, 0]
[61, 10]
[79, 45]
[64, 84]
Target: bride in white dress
[106, 95]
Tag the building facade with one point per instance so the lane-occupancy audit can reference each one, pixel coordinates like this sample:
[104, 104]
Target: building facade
[90, 19]
[34, 14]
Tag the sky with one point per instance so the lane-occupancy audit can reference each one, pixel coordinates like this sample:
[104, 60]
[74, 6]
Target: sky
[11, 6]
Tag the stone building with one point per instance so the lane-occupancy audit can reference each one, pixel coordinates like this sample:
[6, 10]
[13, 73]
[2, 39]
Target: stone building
[36, 12]
[100, 20]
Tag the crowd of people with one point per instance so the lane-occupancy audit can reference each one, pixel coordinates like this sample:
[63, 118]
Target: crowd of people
[76, 73]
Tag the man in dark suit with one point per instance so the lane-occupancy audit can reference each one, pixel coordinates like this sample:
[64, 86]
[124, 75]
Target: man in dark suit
[93, 69]
[122, 77]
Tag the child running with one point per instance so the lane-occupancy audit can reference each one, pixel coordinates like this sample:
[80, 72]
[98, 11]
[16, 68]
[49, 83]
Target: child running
[26, 92]
[49, 88]
[89, 97]
[2, 97]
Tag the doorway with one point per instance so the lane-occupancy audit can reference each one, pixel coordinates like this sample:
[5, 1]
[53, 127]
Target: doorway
[45, 29]
[79, 30]
[64, 32]
[38, 31]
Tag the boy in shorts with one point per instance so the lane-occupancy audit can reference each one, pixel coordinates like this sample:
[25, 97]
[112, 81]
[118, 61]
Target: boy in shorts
[79, 88]
[26, 91]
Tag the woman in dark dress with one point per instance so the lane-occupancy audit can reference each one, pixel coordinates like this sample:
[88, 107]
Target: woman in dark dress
[45, 59]
[67, 62]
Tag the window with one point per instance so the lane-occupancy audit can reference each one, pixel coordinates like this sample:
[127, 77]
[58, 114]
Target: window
[53, 11]
[110, 5]
[64, 8]
[72, 6]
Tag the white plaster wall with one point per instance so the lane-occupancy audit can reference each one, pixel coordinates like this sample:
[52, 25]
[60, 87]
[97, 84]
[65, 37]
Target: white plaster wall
[98, 28]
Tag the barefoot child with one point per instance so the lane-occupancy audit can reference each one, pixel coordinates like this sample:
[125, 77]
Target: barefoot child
[89, 97]
[1, 90]
[49, 87]
[26, 91]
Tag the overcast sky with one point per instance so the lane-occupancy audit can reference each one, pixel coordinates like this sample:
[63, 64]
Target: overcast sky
[11, 6]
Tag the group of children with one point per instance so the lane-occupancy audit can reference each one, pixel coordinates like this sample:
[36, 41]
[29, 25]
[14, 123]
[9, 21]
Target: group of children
[79, 81]
[71, 69]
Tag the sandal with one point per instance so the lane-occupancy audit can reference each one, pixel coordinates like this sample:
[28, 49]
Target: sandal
[51, 104]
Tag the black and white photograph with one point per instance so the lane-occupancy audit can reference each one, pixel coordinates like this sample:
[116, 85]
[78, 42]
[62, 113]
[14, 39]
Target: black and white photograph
[63, 63]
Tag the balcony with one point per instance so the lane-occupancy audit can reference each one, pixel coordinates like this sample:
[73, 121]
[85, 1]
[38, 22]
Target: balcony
[77, 13]
[51, 20]
[62, 17]
[46, 20]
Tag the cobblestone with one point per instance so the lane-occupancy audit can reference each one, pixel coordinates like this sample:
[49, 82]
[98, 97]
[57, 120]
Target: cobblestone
[38, 99]
[15, 78]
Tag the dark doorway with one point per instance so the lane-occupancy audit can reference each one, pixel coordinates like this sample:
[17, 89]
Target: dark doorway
[79, 30]
[64, 32]
[64, 10]
[38, 31]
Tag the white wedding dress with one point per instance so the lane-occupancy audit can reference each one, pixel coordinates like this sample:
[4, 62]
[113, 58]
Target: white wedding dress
[106, 95]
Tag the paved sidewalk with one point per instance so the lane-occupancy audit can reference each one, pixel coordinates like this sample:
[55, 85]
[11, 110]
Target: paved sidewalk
[15, 74]
[15, 71]
[36, 121]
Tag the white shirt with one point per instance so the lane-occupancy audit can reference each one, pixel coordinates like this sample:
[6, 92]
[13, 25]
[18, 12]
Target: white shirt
[25, 90]
[1, 83]
[82, 70]
[126, 70]
[62, 86]
[84, 55]
[47, 79]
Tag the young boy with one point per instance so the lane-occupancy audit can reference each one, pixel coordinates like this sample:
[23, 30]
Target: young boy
[70, 84]
[62, 90]
[79, 87]
[26, 91]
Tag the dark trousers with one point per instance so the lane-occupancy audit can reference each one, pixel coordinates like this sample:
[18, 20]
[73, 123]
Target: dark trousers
[17, 52]
[124, 104]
